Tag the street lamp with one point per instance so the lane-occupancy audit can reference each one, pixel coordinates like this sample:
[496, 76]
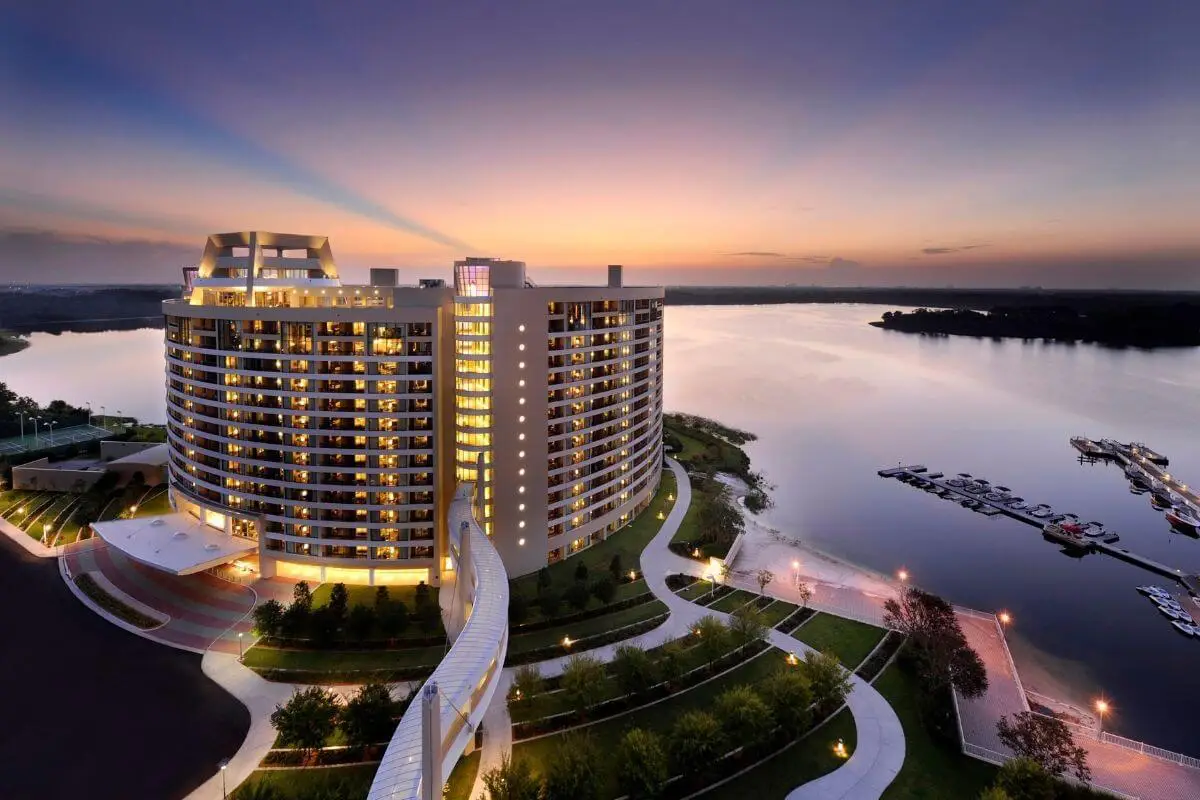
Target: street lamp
[1005, 618]
[1102, 709]
[240, 635]
[221, 765]
[902, 575]
[796, 573]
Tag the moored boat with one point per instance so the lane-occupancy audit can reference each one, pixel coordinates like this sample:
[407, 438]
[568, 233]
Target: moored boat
[1183, 520]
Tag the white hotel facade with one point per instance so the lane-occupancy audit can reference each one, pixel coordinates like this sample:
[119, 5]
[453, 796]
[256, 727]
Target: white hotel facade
[327, 426]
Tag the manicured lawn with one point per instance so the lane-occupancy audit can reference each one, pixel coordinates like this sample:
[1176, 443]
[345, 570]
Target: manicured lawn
[260, 657]
[731, 602]
[777, 612]
[462, 778]
[365, 595]
[932, 770]
[696, 591]
[154, 503]
[525, 642]
[112, 605]
[849, 639]
[659, 717]
[628, 543]
[806, 760]
[301, 784]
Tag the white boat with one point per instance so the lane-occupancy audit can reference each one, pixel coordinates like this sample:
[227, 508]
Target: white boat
[1042, 513]
[1171, 613]
[1154, 590]
[1185, 628]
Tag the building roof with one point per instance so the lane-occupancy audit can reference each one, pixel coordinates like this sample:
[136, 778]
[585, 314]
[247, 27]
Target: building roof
[175, 543]
[155, 456]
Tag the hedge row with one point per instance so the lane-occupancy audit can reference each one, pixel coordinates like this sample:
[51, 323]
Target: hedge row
[600, 611]
[875, 664]
[587, 643]
[797, 619]
[399, 643]
[616, 705]
[328, 676]
[325, 757]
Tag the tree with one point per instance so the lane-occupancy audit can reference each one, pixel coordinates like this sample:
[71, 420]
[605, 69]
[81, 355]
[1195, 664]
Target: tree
[994, 793]
[581, 572]
[634, 669]
[764, 577]
[382, 595]
[429, 616]
[302, 594]
[695, 743]
[295, 621]
[1046, 741]
[805, 591]
[938, 642]
[788, 694]
[512, 780]
[747, 625]
[526, 683]
[582, 681]
[543, 580]
[830, 683]
[713, 636]
[322, 626]
[671, 662]
[268, 618]
[392, 618]
[577, 595]
[339, 602]
[744, 716]
[549, 602]
[573, 773]
[644, 770]
[422, 597]
[308, 718]
[604, 590]
[361, 622]
[614, 568]
[369, 717]
[718, 519]
[518, 608]
[1023, 779]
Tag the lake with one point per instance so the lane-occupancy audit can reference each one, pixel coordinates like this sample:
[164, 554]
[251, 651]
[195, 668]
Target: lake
[833, 401]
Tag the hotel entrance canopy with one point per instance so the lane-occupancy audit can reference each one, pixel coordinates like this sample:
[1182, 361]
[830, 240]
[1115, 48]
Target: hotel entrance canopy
[175, 543]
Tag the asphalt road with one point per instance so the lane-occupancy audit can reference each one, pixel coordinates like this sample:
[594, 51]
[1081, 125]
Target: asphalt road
[88, 710]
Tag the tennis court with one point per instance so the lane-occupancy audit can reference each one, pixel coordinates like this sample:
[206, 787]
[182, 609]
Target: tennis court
[48, 439]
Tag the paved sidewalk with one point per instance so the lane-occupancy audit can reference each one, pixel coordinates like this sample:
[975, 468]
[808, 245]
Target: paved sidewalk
[1130, 772]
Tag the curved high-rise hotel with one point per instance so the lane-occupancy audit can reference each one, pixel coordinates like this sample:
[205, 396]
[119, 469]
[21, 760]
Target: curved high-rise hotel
[329, 423]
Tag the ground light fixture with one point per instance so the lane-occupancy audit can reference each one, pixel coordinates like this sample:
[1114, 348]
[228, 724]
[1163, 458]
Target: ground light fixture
[222, 765]
[566, 641]
[792, 660]
[839, 749]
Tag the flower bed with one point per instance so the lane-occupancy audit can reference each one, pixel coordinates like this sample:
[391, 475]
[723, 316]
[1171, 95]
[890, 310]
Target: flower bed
[877, 660]
[585, 643]
[798, 618]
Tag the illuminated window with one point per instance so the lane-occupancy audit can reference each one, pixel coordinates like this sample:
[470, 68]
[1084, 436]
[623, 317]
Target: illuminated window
[521, 471]
[521, 418]
[521, 507]
[521, 436]
[521, 524]
[520, 365]
[521, 542]
[520, 490]
[521, 382]
[520, 347]
[521, 328]
[521, 454]
[521, 401]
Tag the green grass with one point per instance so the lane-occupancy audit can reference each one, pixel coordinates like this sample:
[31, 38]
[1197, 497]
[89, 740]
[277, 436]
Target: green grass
[462, 778]
[696, 591]
[112, 605]
[777, 612]
[806, 760]
[260, 657]
[628, 543]
[365, 596]
[659, 717]
[932, 770]
[525, 642]
[158, 503]
[301, 784]
[732, 602]
[849, 639]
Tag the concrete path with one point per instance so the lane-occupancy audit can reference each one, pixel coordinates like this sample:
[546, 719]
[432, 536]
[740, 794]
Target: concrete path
[880, 750]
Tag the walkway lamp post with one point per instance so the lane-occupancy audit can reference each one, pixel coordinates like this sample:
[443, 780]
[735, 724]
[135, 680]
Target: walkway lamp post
[222, 765]
[240, 652]
[36, 421]
[1101, 709]
[1005, 619]
[796, 574]
[51, 425]
[902, 575]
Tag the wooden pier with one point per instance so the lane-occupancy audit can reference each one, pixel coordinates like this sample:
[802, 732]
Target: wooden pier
[1148, 461]
[983, 496]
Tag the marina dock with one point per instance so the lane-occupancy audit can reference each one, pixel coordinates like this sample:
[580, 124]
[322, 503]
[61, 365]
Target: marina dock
[1146, 459]
[1080, 538]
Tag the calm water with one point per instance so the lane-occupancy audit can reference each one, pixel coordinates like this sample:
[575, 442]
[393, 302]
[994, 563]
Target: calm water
[834, 400]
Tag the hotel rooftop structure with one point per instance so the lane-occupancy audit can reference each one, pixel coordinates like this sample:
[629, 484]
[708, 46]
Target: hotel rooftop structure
[327, 427]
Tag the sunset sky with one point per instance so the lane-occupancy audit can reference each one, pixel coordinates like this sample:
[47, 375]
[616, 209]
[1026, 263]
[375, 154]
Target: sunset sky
[1007, 143]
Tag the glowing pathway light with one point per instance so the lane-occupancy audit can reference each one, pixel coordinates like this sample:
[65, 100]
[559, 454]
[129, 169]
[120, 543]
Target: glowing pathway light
[1005, 618]
[1102, 709]
[839, 749]
[902, 575]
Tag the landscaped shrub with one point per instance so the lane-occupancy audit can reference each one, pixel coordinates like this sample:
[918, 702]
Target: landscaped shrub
[644, 769]
[268, 618]
[573, 772]
[370, 715]
[518, 608]
[713, 637]
[583, 681]
[549, 602]
[307, 719]
[604, 589]
[744, 716]
[634, 669]
[696, 743]
[747, 625]
[586, 643]
[526, 683]
[577, 595]
[512, 780]
[788, 694]
[829, 681]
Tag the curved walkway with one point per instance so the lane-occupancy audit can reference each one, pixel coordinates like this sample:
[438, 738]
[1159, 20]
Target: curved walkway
[880, 750]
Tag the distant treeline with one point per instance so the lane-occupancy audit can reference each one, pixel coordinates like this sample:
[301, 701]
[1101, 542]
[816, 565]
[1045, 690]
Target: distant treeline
[59, 309]
[1172, 325]
[1082, 301]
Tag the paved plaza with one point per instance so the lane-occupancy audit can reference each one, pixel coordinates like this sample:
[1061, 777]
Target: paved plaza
[1129, 772]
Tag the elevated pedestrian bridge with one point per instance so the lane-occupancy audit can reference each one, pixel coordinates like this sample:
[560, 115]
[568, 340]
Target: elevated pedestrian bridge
[422, 752]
